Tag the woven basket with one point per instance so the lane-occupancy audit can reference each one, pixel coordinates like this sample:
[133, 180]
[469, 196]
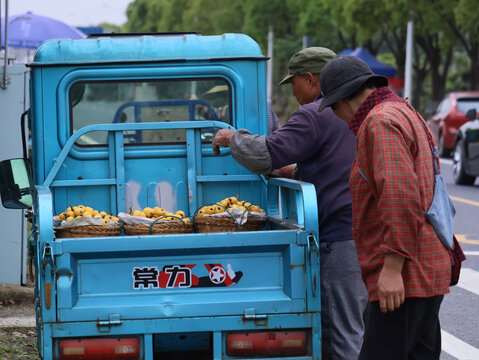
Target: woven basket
[88, 231]
[207, 224]
[170, 227]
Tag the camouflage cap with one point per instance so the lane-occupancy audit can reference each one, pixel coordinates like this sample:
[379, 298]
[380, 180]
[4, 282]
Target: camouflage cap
[310, 59]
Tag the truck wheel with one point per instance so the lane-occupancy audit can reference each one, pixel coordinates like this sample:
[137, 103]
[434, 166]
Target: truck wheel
[458, 173]
[443, 152]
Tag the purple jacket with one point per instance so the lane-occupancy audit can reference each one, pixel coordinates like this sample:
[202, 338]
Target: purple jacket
[323, 148]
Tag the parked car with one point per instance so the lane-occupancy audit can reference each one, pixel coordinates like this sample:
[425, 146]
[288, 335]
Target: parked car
[466, 151]
[449, 116]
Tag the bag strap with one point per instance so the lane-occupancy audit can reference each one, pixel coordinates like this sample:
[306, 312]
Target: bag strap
[434, 149]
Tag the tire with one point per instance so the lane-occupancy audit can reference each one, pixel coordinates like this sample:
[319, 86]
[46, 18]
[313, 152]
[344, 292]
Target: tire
[443, 152]
[458, 173]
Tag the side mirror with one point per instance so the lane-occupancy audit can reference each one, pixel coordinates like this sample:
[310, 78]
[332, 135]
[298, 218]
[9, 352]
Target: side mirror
[471, 114]
[16, 185]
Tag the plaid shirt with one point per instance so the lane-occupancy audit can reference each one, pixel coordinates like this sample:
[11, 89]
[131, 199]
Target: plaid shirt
[392, 184]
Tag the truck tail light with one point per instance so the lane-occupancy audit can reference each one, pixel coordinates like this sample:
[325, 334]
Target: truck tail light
[107, 348]
[276, 343]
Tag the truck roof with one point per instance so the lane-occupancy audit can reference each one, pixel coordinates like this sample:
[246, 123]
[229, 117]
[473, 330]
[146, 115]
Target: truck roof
[146, 48]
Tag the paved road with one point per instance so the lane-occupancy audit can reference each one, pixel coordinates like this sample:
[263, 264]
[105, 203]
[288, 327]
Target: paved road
[460, 309]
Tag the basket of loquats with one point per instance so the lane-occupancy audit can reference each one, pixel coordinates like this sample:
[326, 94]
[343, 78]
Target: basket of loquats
[155, 221]
[229, 215]
[83, 221]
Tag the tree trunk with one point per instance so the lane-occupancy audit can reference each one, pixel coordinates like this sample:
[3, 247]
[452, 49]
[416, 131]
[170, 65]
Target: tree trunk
[474, 57]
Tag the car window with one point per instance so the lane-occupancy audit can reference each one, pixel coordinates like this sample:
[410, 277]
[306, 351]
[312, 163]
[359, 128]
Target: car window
[166, 100]
[465, 104]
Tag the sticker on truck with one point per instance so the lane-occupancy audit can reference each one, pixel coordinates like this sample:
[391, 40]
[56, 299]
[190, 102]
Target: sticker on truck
[182, 276]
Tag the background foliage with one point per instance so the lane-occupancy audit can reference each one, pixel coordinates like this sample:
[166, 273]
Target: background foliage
[446, 35]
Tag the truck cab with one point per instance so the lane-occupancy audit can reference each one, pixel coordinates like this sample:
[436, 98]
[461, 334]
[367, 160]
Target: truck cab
[124, 122]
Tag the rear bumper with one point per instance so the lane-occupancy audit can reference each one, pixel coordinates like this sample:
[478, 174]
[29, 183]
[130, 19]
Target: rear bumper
[218, 327]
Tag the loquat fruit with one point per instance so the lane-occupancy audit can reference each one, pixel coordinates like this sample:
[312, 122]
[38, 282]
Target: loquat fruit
[148, 211]
[210, 210]
[78, 211]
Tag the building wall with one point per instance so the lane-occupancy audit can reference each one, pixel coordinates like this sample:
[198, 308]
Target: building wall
[13, 227]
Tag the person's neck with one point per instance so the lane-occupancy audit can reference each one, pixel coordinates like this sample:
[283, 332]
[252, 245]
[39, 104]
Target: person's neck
[358, 101]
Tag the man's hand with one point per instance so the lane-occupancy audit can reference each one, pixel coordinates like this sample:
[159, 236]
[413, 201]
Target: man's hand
[222, 138]
[390, 283]
[286, 171]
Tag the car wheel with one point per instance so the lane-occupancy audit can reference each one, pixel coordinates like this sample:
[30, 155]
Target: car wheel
[443, 152]
[458, 173]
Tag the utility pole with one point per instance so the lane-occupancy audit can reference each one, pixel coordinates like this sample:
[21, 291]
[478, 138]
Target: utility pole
[306, 41]
[408, 69]
[5, 79]
[269, 66]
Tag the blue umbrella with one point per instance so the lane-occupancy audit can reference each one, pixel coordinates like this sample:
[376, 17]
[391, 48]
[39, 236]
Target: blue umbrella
[29, 30]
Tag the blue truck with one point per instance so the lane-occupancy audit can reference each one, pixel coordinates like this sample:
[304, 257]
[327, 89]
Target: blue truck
[122, 122]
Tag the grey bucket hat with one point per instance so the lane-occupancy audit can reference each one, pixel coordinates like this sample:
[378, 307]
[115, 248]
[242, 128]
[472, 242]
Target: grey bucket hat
[310, 59]
[343, 76]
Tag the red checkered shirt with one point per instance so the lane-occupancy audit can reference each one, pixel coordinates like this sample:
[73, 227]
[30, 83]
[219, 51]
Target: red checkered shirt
[392, 184]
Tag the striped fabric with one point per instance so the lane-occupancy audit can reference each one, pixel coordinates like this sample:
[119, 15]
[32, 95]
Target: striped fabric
[392, 184]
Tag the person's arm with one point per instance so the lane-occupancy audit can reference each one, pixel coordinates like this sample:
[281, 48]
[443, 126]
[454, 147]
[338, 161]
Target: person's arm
[390, 283]
[297, 140]
[287, 171]
[384, 157]
[222, 139]
[248, 150]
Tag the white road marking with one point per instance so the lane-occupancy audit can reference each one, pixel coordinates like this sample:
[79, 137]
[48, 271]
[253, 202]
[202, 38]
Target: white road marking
[472, 253]
[469, 280]
[458, 348]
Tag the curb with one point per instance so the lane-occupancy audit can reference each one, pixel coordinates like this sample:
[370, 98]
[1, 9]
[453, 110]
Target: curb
[18, 322]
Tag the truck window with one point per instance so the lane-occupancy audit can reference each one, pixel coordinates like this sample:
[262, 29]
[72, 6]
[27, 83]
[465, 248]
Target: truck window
[100, 102]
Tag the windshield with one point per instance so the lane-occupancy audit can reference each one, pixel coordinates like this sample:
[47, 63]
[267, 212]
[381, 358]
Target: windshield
[465, 104]
[148, 101]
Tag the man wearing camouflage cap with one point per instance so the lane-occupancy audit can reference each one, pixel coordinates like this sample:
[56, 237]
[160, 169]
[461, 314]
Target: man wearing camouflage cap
[323, 149]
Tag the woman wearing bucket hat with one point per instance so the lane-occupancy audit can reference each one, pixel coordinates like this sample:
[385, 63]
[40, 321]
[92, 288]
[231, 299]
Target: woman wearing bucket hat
[323, 148]
[404, 265]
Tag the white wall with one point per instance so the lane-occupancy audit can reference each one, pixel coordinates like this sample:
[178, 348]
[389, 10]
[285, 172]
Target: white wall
[13, 102]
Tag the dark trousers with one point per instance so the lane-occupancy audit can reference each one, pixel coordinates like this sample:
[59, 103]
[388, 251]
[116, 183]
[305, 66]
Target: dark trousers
[411, 332]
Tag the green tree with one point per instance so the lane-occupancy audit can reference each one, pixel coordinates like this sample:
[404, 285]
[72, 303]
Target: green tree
[172, 16]
[144, 15]
[466, 29]
[442, 30]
